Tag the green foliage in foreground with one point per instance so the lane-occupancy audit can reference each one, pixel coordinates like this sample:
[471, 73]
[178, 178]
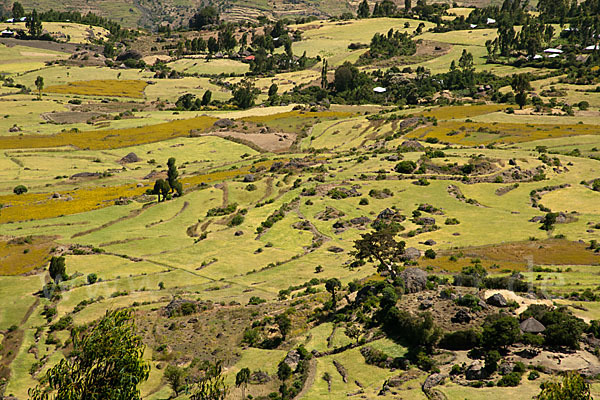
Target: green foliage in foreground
[106, 363]
[572, 387]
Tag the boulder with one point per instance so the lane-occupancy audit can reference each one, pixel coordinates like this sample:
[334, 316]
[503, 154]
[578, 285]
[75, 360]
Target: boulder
[335, 249]
[249, 178]
[224, 123]
[85, 175]
[412, 145]
[14, 128]
[425, 305]
[506, 368]
[425, 221]
[476, 371]
[130, 158]
[415, 279]
[429, 242]
[412, 253]
[462, 317]
[238, 233]
[497, 300]
[433, 380]
[292, 359]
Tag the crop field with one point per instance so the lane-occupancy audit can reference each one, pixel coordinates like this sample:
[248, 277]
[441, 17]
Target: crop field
[69, 32]
[214, 66]
[112, 88]
[29, 58]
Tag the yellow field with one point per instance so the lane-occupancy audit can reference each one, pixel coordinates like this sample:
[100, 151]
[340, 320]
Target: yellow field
[69, 32]
[476, 133]
[36, 206]
[109, 139]
[115, 88]
[21, 256]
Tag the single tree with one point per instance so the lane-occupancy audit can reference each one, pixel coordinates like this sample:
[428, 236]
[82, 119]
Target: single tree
[380, 246]
[206, 98]
[175, 376]
[407, 5]
[353, 331]
[39, 84]
[106, 363]
[242, 379]
[212, 385]
[17, 11]
[324, 82]
[57, 269]
[363, 9]
[273, 90]
[172, 172]
[92, 278]
[34, 24]
[520, 84]
[212, 45]
[244, 94]
[331, 285]
[20, 189]
[284, 323]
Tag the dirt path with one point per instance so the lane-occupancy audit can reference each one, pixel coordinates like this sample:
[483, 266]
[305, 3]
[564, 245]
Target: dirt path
[132, 214]
[223, 186]
[310, 379]
[268, 191]
[185, 205]
[11, 344]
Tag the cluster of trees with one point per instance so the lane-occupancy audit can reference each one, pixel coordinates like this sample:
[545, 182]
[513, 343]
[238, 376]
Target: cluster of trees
[532, 38]
[394, 44]
[387, 8]
[205, 17]
[190, 102]
[352, 86]
[166, 188]
[35, 19]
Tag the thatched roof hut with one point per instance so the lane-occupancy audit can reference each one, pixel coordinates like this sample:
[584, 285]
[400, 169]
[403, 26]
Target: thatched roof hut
[532, 325]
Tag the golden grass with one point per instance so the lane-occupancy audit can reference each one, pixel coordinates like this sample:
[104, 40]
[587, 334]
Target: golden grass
[104, 87]
[36, 206]
[458, 112]
[109, 139]
[542, 252]
[297, 114]
[20, 256]
[476, 133]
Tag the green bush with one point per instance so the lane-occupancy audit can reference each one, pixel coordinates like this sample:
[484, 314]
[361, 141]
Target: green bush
[512, 379]
[20, 189]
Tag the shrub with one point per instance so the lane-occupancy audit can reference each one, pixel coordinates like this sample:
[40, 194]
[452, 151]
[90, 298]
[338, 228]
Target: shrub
[533, 375]
[430, 253]
[255, 300]
[20, 189]
[92, 278]
[461, 340]
[452, 221]
[363, 202]
[236, 220]
[512, 379]
[405, 167]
